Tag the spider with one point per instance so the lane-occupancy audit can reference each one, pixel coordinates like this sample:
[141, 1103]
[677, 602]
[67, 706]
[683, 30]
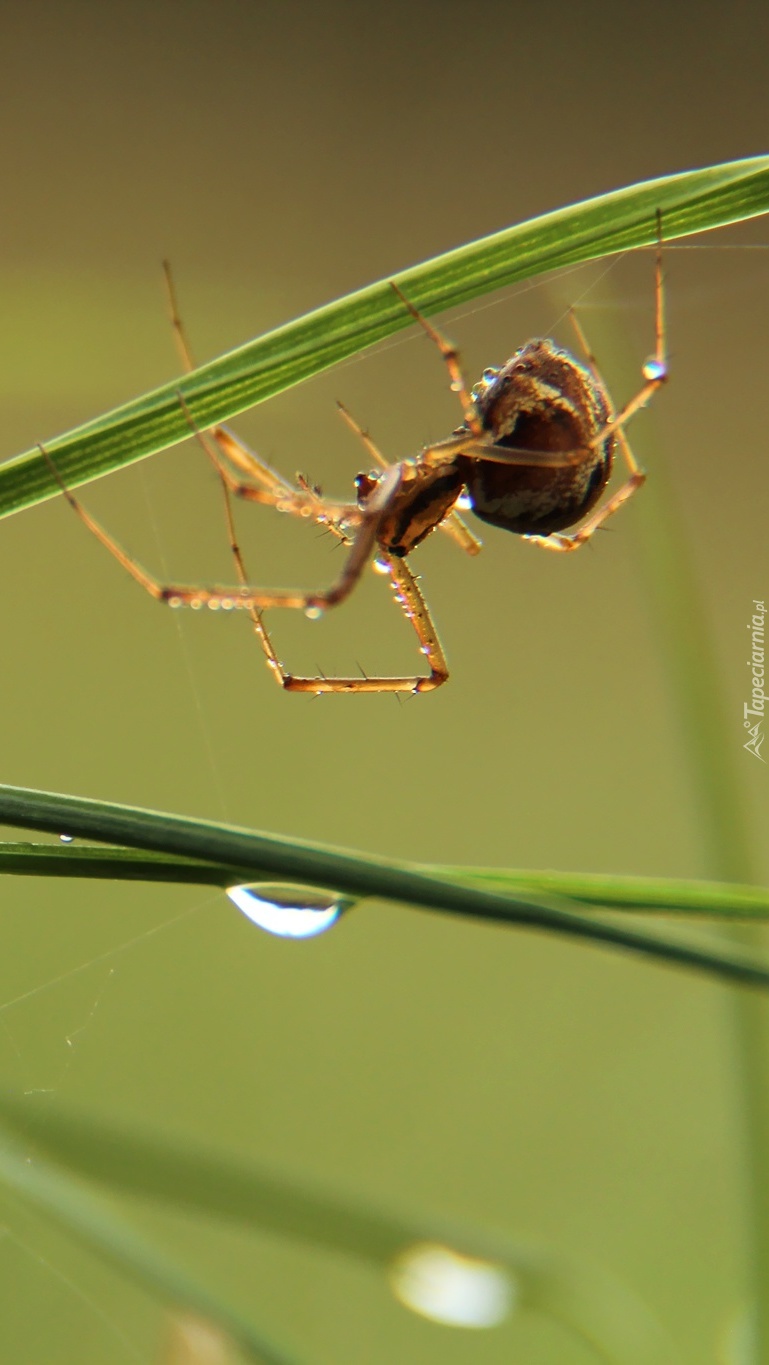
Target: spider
[533, 455]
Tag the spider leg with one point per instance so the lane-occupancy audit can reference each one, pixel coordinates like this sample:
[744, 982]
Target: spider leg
[482, 448]
[260, 629]
[245, 595]
[416, 611]
[655, 372]
[255, 600]
[301, 500]
[265, 484]
[453, 363]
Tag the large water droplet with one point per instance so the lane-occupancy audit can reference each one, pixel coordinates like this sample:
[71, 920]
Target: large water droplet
[448, 1287]
[289, 911]
[464, 503]
[66, 838]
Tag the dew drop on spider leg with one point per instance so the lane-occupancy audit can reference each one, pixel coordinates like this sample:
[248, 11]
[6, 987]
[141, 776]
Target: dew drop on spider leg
[654, 369]
[289, 911]
[313, 613]
[380, 565]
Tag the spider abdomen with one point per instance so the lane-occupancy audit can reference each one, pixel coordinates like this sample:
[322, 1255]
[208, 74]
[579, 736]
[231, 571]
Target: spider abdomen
[542, 400]
[536, 500]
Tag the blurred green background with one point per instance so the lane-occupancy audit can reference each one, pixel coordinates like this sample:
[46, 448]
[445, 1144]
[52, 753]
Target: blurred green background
[281, 155]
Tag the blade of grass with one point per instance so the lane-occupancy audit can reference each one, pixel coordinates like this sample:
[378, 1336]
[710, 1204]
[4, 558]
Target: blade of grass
[72, 1207]
[174, 1171]
[351, 873]
[693, 201]
[680, 617]
[674, 895]
[669, 896]
[681, 620]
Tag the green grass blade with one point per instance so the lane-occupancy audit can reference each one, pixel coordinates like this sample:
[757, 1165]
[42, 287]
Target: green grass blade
[692, 201]
[172, 1171]
[91, 1222]
[354, 874]
[681, 617]
[665, 895]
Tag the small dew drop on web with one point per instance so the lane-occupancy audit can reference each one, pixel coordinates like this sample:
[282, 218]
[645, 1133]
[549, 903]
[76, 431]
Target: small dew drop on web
[289, 911]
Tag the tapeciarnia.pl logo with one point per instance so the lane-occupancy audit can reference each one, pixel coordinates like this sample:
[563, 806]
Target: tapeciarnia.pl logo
[753, 711]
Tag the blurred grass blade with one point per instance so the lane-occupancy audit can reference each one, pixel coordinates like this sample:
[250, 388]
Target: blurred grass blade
[253, 856]
[665, 895]
[683, 623]
[693, 201]
[72, 1207]
[591, 1305]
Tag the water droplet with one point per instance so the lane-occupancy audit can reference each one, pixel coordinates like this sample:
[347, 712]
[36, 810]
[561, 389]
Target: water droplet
[654, 369]
[214, 604]
[313, 613]
[489, 375]
[227, 604]
[464, 503]
[174, 601]
[381, 566]
[196, 603]
[456, 385]
[448, 1287]
[66, 838]
[289, 911]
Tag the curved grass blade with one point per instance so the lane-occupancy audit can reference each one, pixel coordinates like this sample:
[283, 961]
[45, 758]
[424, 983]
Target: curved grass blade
[354, 874]
[665, 895]
[589, 1304]
[693, 201]
[91, 1222]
